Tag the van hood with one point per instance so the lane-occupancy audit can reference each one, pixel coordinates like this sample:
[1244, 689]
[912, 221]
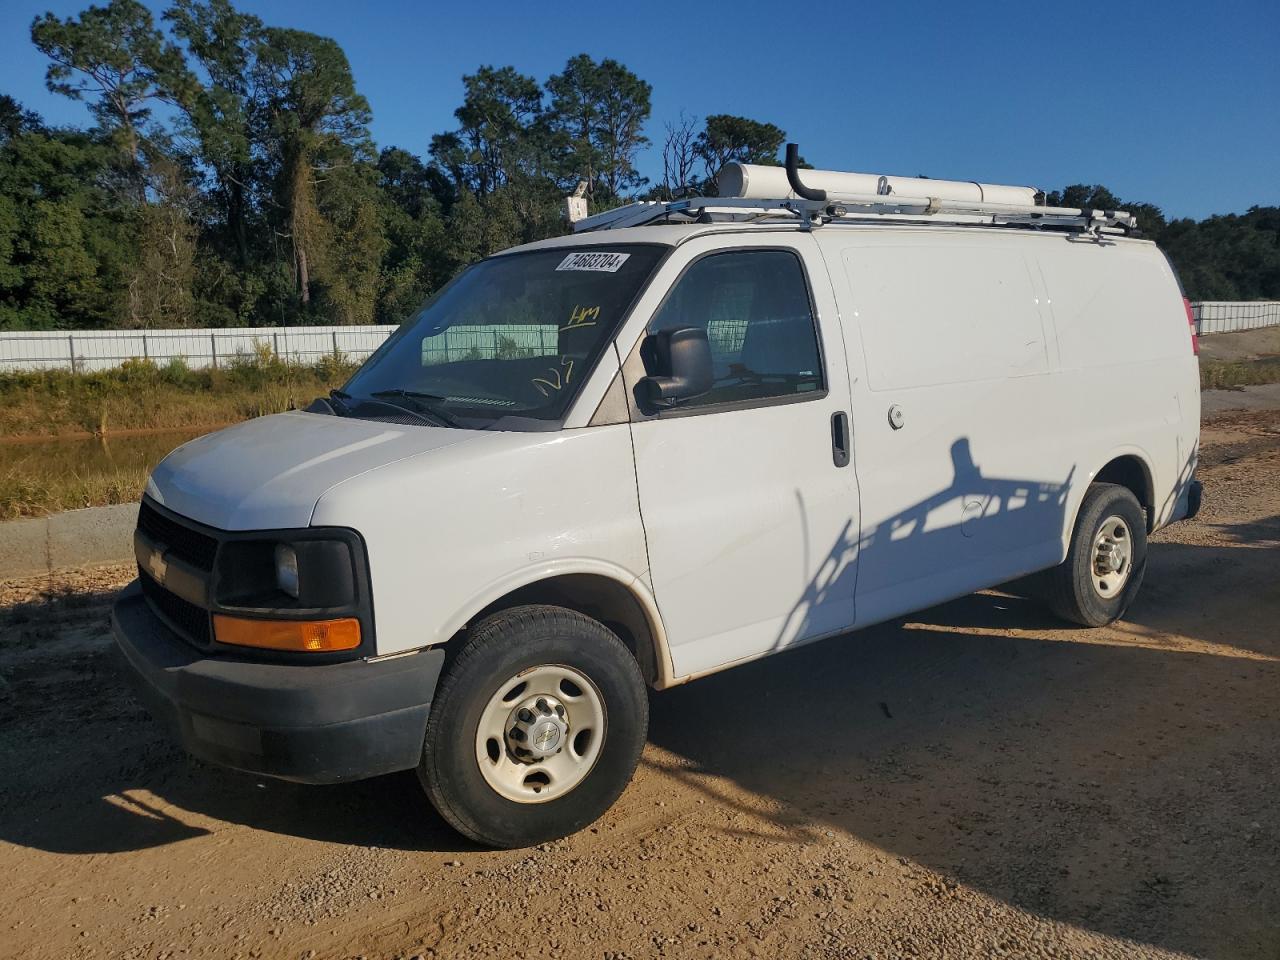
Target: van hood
[268, 473]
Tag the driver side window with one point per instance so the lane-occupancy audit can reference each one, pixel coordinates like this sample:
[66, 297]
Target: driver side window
[755, 307]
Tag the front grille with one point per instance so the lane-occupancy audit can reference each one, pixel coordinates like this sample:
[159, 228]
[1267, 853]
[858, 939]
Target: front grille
[190, 545]
[191, 621]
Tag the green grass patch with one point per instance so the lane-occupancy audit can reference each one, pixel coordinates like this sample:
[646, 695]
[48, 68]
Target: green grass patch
[140, 395]
[1230, 375]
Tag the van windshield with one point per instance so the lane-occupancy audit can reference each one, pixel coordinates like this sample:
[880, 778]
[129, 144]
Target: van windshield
[513, 336]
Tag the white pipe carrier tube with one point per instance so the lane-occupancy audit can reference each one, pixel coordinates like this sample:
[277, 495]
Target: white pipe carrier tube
[756, 182]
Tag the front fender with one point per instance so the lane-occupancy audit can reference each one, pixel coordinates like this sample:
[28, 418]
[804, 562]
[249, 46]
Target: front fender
[534, 574]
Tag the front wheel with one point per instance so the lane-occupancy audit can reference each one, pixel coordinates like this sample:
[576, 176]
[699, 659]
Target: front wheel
[1106, 560]
[535, 729]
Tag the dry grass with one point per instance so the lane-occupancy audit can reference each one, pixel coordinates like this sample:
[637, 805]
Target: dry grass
[140, 395]
[1227, 375]
[46, 477]
[31, 494]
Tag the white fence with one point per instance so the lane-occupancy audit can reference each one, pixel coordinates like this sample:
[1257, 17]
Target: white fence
[1222, 316]
[81, 350]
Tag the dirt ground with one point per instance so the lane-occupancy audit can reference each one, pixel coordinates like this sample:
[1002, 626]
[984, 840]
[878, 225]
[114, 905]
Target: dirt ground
[977, 780]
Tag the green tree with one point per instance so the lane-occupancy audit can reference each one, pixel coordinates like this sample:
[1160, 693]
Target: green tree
[218, 113]
[416, 261]
[115, 54]
[313, 126]
[66, 243]
[16, 119]
[726, 138]
[598, 110]
[161, 289]
[502, 134]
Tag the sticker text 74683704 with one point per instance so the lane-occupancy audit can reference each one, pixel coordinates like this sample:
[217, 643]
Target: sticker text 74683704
[596, 260]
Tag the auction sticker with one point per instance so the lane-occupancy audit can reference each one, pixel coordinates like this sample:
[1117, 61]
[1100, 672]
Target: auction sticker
[597, 261]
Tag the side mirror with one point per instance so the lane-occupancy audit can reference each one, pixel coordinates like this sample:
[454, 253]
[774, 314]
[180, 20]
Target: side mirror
[679, 366]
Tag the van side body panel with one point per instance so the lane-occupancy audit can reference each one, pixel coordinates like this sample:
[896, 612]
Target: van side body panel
[996, 351]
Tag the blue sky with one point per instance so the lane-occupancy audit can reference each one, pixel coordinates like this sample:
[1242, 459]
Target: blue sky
[1177, 103]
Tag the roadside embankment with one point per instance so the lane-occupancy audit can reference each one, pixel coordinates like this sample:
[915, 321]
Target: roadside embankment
[69, 441]
[139, 395]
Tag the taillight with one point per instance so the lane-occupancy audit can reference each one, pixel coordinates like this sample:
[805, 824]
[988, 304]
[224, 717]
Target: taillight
[1191, 322]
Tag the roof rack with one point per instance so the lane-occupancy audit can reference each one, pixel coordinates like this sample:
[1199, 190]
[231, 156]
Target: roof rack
[813, 207]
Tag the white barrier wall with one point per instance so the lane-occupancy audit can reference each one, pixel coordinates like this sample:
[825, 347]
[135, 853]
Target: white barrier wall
[82, 350]
[1223, 316]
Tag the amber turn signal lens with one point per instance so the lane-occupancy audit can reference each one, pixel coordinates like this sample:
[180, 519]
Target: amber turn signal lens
[305, 636]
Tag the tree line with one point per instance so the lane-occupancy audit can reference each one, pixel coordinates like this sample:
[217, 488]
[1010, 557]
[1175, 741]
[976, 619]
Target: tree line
[229, 178]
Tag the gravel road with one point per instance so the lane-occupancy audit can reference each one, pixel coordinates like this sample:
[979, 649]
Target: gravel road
[977, 780]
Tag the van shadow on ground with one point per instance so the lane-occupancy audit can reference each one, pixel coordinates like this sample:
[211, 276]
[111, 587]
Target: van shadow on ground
[1121, 780]
[85, 770]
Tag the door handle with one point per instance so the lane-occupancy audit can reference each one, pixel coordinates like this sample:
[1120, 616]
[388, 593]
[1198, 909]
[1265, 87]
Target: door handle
[840, 438]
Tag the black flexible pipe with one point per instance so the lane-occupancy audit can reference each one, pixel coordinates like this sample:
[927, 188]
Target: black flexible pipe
[793, 176]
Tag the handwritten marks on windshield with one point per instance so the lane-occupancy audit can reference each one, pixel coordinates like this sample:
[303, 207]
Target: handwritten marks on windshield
[558, 377]
[581, 317]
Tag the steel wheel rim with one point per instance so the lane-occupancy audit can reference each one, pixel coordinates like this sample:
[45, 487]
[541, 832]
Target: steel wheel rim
[1112, 557]
[553, 766]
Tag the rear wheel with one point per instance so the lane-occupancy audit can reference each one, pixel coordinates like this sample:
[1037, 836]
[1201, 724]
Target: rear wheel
[1106, 560]
[535, 729]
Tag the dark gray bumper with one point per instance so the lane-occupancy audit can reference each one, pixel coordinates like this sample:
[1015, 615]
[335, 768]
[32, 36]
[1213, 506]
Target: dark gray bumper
[313, 723]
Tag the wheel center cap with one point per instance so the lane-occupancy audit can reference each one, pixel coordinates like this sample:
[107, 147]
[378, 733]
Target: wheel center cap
[537, 728]
[546, 736]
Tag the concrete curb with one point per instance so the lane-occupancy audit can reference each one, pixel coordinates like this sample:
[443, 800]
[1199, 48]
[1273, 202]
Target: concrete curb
[76, 538]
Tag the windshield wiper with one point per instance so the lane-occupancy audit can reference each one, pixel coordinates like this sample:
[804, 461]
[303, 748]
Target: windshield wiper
[427, 401]
[341, 396]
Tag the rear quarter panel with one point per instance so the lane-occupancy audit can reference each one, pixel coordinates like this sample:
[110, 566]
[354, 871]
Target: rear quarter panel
[1022, 363]
[1130, 380]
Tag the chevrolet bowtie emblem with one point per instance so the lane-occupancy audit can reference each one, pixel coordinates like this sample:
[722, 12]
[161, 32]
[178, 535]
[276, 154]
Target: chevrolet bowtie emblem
[546, 736]
[156, 566]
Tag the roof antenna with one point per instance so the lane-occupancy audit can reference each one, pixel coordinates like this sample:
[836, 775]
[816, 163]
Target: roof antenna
[793, 176]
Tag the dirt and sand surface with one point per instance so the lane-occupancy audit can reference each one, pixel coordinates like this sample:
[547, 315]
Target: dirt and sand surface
[977, 780]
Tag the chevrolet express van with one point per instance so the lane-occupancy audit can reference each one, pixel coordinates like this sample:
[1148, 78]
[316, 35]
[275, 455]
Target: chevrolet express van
[684, 437]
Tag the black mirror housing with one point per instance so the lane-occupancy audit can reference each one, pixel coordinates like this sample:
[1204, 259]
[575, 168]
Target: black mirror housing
[679, 366]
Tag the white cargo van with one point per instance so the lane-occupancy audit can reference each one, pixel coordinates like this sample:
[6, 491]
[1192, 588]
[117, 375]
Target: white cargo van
[687, 436]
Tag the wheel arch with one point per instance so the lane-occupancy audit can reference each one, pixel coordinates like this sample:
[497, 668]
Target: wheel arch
[1131, 471]
[623, 604]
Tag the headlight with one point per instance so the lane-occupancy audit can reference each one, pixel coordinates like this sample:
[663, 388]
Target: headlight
[287, 569]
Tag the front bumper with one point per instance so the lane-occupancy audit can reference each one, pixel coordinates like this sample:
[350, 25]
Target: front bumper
[313, 723]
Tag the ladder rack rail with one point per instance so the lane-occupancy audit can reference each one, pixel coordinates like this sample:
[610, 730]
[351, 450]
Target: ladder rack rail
[863, 207]
[814, 206]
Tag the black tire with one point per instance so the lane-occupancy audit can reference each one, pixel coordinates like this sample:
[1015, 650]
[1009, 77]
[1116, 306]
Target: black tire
[1069, 587]
[496, 649]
